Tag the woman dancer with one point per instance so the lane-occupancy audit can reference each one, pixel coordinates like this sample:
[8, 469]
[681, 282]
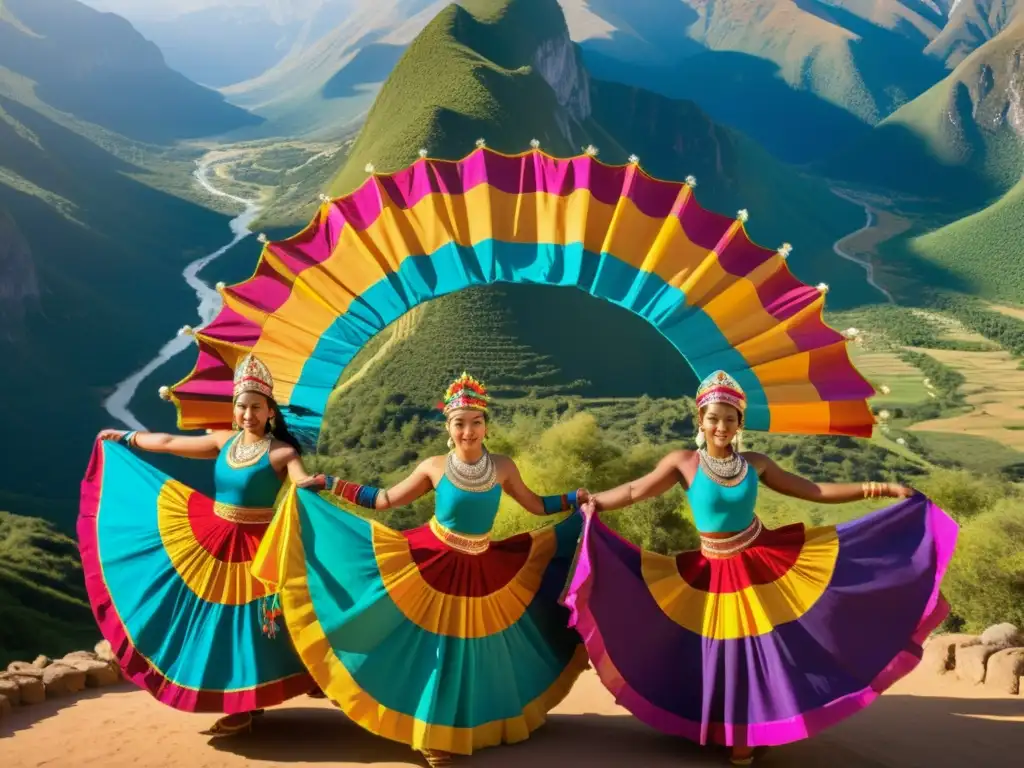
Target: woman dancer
[167, 568]
[762, 637]
[437, 637]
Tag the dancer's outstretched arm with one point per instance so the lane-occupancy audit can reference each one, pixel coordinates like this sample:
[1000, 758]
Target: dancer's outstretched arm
[659, 480]
[186, 446]
[513, 484]
[405, 492]
[788, 484]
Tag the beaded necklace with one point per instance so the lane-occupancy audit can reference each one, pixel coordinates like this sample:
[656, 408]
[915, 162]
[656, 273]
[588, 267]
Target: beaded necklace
[478, 476]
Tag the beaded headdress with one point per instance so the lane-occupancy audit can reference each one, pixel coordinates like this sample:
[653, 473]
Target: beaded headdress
[720, 387]
[465, 393]
[252, 375]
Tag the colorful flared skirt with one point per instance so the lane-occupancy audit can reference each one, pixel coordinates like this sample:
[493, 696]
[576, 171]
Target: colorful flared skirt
[799, 631]
[420, 643]
[170, 587]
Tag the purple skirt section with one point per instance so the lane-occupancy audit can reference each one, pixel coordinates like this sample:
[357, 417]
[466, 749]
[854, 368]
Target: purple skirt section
[862, 634]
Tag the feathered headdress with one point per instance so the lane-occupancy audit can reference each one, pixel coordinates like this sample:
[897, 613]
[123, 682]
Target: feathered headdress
[252, 375]
[465, 393]
[720, 387]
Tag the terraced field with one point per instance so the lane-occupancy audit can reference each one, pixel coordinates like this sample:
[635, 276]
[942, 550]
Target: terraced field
[995, 389]
[899, 384]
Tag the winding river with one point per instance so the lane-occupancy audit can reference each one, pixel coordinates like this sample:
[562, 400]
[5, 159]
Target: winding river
[119, 403]
[863, 263]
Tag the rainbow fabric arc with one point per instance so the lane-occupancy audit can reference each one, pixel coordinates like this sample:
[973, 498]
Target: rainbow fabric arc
[437, 226]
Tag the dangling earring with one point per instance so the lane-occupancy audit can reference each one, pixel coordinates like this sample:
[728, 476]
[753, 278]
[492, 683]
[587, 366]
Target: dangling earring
[700, 439]
[234, 426]
[451, 443]
[272, 423]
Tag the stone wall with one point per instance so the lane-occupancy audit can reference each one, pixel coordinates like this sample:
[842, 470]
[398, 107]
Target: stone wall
[995, 658]
[26, 683]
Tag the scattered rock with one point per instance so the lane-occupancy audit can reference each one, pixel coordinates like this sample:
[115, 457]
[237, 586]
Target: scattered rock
[25, 669]
[5, 706]
[970, 663]
[62, 680]
[941, 651]
[1003, 636]
[31, 690]
[10, 689]
[41, 662]
[79, 656]
[104, 652]
[1004, 670]
[97, 673]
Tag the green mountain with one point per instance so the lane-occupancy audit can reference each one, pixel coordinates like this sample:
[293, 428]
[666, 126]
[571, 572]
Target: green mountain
[800, 78]
[982, 249]
[42, 594]
[961, 136]
[96, 228]
[834, 69]
[96, 66]
[506, 70]
[971, 24]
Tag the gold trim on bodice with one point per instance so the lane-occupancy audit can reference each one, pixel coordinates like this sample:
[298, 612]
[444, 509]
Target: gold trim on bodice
[713, 548]
[243, 515]
[466, 543]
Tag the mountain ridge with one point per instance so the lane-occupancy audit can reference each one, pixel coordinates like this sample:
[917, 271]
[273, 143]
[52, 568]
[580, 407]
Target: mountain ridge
[964, 134]
[98, 67]
[96, 228]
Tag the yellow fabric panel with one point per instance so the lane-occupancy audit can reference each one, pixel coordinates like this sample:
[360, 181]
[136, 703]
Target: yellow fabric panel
[455, 615]
[754, 610]
[211, 579]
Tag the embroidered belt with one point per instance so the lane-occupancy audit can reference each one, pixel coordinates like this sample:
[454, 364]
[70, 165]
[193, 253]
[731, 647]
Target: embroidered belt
[731, 545]
[243, 515]
[467, 543]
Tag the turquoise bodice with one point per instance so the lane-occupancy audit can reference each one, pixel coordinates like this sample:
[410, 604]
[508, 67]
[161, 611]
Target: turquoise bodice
[254, 486]
[722, 509]
[468, 512]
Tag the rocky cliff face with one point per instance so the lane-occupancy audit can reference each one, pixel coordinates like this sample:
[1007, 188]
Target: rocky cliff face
[19, 286]
[557, 60]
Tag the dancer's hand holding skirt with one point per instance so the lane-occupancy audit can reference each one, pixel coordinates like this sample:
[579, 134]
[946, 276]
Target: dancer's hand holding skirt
[421, 643]
[790, 636]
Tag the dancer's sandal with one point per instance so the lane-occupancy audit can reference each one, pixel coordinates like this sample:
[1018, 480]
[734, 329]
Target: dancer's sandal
[745, 760]
[225, 728]
[437, 759]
